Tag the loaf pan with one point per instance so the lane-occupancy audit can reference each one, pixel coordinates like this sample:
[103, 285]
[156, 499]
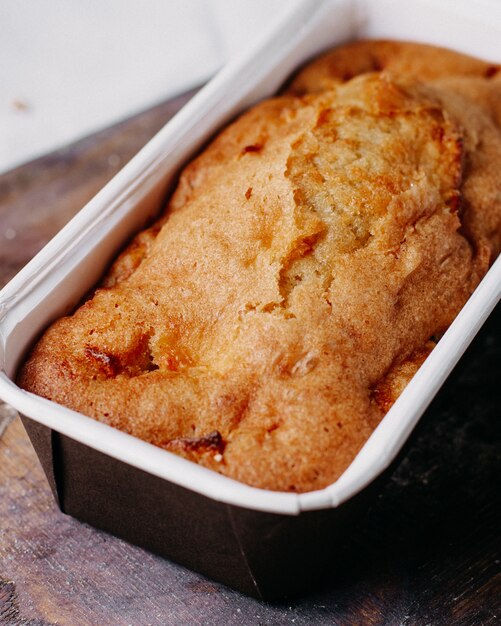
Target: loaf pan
[266, 544]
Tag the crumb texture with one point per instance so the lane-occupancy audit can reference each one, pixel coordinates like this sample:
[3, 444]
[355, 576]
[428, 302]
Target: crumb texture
[301, 272]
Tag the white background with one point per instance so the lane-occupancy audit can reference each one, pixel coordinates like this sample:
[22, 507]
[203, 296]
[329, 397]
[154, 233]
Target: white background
[71, 67]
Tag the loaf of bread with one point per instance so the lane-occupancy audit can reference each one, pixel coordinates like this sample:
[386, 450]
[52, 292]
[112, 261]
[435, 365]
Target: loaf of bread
[301, 272]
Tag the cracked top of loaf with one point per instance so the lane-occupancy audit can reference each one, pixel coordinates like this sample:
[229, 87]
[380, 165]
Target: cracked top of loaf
[300, 273]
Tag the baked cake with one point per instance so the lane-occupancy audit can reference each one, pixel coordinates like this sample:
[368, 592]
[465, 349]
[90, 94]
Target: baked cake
[301, 272]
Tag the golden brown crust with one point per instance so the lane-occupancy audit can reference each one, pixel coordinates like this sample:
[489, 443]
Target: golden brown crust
[268, 321]
[410, 62]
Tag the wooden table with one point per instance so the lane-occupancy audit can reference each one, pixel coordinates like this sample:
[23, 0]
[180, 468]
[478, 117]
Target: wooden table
[428, 552]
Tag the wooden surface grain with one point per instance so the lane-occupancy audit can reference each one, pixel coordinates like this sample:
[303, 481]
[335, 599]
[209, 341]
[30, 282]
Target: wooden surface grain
[428, 552]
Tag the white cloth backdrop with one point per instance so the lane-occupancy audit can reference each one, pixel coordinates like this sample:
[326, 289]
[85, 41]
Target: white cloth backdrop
[71, 67]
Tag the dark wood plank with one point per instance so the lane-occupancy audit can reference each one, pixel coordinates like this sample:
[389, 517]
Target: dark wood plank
[427, 553]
